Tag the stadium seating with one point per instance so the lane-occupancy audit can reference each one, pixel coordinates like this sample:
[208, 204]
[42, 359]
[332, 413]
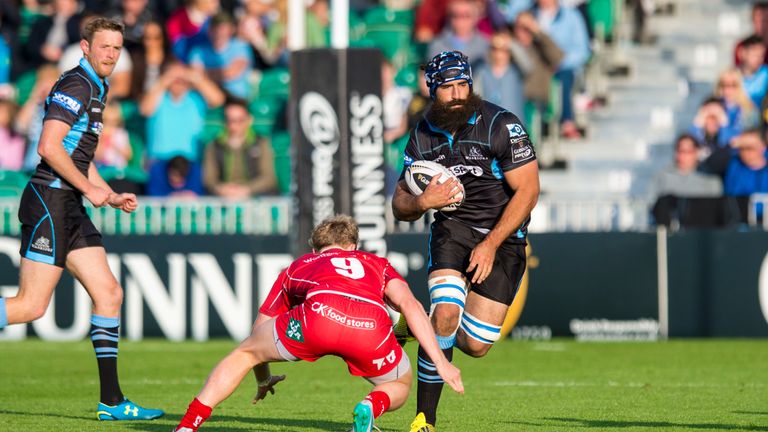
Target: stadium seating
[276, 83]
[281, 145]
[264, 111]
[12, 183]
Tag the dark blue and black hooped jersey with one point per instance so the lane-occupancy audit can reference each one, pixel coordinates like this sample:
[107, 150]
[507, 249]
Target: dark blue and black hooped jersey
[492, 142]
[77, 99]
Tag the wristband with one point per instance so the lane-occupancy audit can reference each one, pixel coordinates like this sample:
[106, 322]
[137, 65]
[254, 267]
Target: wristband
[264, 383]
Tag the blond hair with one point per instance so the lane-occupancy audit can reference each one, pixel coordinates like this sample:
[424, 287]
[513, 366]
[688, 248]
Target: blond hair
[100, 23]
[340, 230]
[742, 98]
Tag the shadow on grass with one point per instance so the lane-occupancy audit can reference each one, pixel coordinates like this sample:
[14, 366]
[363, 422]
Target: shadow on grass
[87, 415]
[751, 412]
[252, 423]
[652, 424]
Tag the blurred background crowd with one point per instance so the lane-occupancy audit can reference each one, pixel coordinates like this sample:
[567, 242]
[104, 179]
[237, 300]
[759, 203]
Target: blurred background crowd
[197, 102]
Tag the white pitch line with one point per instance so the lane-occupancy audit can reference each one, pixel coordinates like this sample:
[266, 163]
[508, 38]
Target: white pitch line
[565, 384]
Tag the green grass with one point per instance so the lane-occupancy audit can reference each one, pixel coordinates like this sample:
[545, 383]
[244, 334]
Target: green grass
[692, 385]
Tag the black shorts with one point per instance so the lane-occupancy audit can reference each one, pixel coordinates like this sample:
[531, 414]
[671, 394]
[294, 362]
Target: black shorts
[53, 223]
[450, 245]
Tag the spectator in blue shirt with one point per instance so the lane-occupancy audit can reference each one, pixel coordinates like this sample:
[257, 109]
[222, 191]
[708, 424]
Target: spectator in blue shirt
[567, 28]
[175, 108]
[754, 73]
[226, 59]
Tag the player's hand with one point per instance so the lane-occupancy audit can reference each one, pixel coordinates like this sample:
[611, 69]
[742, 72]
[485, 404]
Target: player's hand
[126, 202]
[481, 261]
[267, 388]
[97, 196]
[438, 195]
[452, 376]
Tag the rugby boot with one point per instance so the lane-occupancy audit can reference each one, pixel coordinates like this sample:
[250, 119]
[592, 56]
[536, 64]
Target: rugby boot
[127, 410]
[420, 424]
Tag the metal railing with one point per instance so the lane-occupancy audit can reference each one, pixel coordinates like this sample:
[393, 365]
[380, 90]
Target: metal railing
[274, 215]
[264, 215]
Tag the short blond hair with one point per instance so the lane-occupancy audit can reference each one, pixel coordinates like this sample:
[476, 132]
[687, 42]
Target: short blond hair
[338, 230]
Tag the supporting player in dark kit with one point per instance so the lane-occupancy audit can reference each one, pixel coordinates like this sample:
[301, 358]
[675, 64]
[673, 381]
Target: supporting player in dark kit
[56, 232]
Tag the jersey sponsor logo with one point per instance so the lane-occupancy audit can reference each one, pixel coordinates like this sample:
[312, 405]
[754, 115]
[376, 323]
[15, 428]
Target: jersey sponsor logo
[460, 170]
[68, 102]
[388, 359]
[95, 110]
[522, 154]
[43, 244]
[439, 158]
[407, 160]
[334, 315]
[294, 330]
[475, 154]
[516, 130]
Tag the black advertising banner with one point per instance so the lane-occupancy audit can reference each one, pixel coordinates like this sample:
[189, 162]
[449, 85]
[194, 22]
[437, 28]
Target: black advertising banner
[591, 286]
[718, 283]
[337, 125]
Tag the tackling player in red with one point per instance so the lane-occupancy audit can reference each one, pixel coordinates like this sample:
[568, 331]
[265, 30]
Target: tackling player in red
[330, 302]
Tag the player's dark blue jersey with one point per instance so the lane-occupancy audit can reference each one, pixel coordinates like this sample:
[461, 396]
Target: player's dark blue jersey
[492, 142]
[77, 99]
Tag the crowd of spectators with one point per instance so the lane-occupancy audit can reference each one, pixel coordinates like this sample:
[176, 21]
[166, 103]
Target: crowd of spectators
[185, 63]
[722, 160]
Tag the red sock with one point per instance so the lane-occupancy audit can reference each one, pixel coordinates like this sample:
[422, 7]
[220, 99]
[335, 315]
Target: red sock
[196, 414]
[380, 402]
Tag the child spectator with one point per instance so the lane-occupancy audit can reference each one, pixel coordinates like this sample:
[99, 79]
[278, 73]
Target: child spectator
[178, 177]
[114, 148]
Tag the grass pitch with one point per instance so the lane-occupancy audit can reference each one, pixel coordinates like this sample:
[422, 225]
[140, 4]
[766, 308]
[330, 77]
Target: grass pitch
[682, 385]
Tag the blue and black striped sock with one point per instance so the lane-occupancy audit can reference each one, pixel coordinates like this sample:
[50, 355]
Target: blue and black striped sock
[104, 336]
[430, 384]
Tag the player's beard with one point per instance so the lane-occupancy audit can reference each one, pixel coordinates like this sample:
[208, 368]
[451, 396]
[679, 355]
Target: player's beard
[448, 118]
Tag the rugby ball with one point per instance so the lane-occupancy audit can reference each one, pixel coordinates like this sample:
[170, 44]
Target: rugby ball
[420, 173]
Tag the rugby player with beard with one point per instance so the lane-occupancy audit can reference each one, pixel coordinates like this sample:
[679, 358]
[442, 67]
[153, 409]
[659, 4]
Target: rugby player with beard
[477, 252]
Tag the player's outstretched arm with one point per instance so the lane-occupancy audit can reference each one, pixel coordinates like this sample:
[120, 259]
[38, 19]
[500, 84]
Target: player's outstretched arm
[265, 381]
[400, 296]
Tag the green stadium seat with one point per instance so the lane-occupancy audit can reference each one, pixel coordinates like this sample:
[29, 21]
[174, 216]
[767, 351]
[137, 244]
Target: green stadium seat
[24, 85]
[389, 18]
[281, 145]
[408, 77]
[276, 83]
[390, 30]
[213, 126]
[601, 19]
[12, 183]
[264, 111]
